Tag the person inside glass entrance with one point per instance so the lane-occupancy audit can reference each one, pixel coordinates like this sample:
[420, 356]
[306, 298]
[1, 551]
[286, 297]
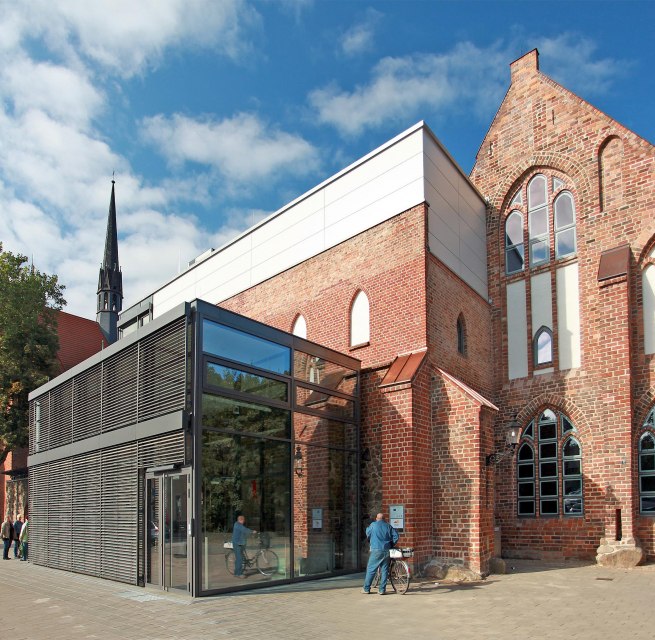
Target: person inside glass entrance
[240, 535]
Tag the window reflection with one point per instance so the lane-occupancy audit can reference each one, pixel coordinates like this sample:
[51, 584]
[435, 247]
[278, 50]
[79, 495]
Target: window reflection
[236, 415]
[244, 382]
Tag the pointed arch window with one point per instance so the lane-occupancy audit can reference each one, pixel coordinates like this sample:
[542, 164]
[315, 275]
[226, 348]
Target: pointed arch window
[461, 335]
[300, 327]
[514, 253]
[538, 221]
[564, 225]
[647, 468]
[542, 345]
[549, 468]
[360, 332]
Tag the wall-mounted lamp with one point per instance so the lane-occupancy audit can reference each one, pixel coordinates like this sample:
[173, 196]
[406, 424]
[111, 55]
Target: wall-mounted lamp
[297, 462]
[512, 437]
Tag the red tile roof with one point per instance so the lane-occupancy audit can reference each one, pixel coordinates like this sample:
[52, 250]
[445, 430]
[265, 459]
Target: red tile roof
[79, 339]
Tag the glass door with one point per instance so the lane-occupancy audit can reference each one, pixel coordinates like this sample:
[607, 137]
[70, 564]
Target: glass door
[168, 558]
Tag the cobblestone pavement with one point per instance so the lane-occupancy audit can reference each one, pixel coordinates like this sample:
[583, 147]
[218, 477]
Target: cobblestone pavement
[532, 601]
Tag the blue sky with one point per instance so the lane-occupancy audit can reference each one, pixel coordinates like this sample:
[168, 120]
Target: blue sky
[213, 114]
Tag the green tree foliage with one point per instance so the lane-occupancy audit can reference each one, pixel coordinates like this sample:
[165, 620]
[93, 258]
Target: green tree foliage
[29, 301]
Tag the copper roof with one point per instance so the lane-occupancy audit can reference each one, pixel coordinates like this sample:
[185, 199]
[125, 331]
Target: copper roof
[403, 368]
[480, 399]
[79, 339]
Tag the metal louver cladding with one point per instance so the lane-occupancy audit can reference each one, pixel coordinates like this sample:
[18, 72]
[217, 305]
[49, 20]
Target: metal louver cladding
[118, 508]
[86, 525]
[60, 509]
[39, 423]
[119, 389]
[38, 514]
[162, 363]
[61, 415]
[86, 403]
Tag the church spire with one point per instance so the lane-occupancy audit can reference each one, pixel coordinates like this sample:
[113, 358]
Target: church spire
[110, 280]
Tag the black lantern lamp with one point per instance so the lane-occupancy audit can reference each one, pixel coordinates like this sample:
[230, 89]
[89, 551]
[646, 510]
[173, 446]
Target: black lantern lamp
[512, 437]
[297, 462]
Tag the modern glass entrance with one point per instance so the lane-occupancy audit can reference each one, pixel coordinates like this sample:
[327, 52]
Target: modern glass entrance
[168, 528]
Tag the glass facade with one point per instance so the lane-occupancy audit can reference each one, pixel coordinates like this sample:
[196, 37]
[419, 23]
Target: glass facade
[281, 450]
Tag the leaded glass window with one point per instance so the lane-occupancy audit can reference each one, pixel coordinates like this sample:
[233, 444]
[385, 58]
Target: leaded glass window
[647, 468]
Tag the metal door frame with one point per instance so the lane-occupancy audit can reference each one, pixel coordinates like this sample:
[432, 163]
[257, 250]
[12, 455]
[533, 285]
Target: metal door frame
[163, 476]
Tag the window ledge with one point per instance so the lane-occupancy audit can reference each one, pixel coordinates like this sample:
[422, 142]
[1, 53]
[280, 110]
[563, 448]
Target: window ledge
[361, 345]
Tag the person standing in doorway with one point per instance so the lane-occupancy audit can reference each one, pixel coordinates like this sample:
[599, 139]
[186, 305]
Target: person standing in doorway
[240, 535]
[382, 537]
[23, 541]
[18, 525]
[7, 533]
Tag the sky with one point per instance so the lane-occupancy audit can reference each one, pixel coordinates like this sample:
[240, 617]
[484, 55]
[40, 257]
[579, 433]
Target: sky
[213, 114]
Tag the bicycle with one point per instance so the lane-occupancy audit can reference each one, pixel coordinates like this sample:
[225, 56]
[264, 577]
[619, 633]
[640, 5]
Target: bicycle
[399, 572]
[264, 560]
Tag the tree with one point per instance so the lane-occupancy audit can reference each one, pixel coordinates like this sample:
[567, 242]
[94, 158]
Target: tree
[29, 301]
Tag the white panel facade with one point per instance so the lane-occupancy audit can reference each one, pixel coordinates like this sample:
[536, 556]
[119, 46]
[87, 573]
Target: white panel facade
[379, 186]
[517, 330]
[568, 317]
[648, 292]
[457, 218]
[541, 303]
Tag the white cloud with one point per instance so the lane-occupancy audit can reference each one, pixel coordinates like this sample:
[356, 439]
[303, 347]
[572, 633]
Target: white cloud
[572, 61]
[359, 38]
[126, 36]
[242, 148]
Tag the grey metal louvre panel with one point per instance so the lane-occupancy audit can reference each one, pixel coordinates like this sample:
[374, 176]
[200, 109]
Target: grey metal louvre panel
[44, 429]
[30, 429]
[119, 389]
[38, 514]
[61, 415]
[86, 403]
[86, 514]
[60, 503]
[162, 362]
[168, 449]
[118, 509]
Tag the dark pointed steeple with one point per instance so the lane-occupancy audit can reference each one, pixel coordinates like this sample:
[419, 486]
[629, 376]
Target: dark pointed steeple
[110, 280]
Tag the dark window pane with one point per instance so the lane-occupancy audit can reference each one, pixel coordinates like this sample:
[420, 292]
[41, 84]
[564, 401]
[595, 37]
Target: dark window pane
[573, 487]
[514, 258]
[647, 462]
[548, 450]
[548, 469]
[549, 507]
[648, 504]
[572, 468]
[319, 401]
[526, 471]
[236, 415]
[528, 432]
[567, 425]
[548, 431]
[237, 380]
[547, 416]
[526, 453]
[573, 506]
[526, 489]
[647, 442]
[526, 508]
[547, 489]
[571, 448]
[514, 229]
[232, 344]
[322, 372]
[647, 483]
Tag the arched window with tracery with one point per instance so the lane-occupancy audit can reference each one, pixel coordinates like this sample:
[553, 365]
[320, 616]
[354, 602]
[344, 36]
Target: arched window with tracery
[647, 466]
[549, 468]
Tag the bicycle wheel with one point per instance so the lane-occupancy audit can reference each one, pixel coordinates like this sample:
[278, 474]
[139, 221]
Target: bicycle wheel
[400, 576]
[267, 562]
[230, 562]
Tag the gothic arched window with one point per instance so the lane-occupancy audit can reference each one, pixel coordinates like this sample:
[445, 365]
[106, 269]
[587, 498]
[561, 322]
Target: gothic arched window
[647, 466]
[360, 332]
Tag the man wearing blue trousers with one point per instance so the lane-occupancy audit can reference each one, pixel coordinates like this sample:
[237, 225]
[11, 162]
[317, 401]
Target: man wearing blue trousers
[382, 537]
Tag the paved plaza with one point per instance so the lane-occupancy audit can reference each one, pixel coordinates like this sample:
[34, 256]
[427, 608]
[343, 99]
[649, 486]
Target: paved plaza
[533, 600]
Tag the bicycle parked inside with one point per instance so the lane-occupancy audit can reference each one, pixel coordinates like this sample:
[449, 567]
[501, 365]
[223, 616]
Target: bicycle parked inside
[264, 560]
[399, 572]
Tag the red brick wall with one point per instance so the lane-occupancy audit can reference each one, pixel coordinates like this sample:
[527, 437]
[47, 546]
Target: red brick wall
[543, 127]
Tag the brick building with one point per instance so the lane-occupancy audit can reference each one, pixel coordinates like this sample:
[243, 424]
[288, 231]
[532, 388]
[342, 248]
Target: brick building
[521, 296]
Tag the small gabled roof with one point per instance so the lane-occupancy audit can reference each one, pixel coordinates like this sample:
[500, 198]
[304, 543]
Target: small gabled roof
[403, 368]
[475, 396]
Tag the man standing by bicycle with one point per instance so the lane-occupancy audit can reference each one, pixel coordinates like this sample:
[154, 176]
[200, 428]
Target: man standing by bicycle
[382, 537]
[240, 535]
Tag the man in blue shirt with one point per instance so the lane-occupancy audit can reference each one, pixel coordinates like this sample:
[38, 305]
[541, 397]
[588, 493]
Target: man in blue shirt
[240, 535]
[382, 537]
